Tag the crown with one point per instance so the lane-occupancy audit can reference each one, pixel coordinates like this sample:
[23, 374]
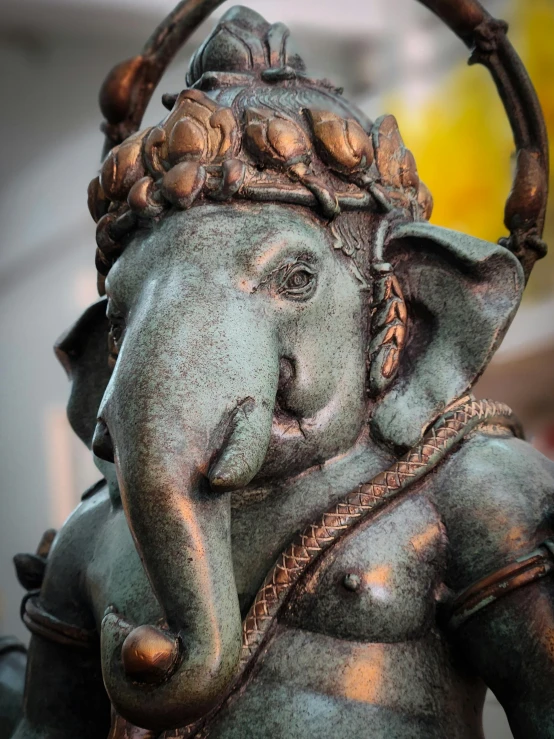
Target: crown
[244, 42]
[259, 130]
[252, 125]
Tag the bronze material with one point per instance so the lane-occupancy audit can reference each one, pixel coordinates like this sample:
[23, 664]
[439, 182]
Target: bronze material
[11, 644]
[487, 39]
[102, 264]
[101, 443]
[144, 199]
[463, 16]
[45, 543]
[233, 173]
[389, 151]
[122, 167]
[524, 571]
[425, 201]
[388, 329]
[40, 622]
[183, 183]
[148, 655]
[109, 247]
[199, 130]
[398, 177]
[352, 581]
[448, 431]
[30, 568]
[343, 144]
[98, 203]
[529, 191]
[250, 344]
[118, 88]
[276, 140]
[151, 152]
[121, 729]
[308, 548]
[129, 87]
[281, 143]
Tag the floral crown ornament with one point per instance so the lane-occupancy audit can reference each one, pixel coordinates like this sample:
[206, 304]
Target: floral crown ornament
[202, 151]
[245, 52]
[251, 125]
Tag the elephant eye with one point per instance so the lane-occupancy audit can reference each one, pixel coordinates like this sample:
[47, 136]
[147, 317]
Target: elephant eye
[115, 338]
[298, 282]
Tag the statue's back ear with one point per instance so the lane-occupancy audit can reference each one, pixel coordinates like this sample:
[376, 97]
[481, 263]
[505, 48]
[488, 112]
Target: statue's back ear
[83, 352]
[461, 295]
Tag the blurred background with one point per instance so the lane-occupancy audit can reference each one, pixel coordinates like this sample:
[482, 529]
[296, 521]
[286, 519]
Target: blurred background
[391, 56]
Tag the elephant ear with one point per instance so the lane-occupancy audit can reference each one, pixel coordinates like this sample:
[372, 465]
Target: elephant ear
[462, 294]
[83, 352]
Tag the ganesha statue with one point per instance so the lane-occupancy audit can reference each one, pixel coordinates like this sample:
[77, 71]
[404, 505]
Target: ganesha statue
[307, 525]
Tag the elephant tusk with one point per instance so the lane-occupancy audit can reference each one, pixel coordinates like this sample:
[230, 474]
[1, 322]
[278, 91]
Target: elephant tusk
[244, 449]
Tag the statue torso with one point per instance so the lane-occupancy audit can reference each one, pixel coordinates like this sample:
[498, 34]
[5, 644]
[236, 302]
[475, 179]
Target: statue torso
[382, 582]
[359, 652]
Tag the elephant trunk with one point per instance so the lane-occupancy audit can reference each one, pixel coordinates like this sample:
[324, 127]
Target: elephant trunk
[187, 427]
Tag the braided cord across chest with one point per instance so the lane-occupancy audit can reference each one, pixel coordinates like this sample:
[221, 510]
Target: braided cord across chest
[318, 537]
[307, 546]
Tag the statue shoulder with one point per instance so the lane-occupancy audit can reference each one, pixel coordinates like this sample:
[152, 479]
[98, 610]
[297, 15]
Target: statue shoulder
[63, 591]
[496, 498]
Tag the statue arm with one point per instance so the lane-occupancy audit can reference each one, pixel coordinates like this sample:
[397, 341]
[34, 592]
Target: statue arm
[64, 695]
[64, 692]
[511, 645]
[499, 521]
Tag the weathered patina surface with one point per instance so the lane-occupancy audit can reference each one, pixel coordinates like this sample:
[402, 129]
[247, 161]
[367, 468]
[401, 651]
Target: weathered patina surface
[307, 526]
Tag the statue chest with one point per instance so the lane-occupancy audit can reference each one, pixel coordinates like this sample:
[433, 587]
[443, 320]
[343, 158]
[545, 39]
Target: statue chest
[382, 582]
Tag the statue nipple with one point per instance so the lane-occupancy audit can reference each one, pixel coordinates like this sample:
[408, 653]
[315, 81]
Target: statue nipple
[352, 582]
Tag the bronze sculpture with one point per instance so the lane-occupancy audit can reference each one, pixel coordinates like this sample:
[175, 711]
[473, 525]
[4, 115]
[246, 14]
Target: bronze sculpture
[308, 526]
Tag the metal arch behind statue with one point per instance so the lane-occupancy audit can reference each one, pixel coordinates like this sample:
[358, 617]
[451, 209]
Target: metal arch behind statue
[130, 85]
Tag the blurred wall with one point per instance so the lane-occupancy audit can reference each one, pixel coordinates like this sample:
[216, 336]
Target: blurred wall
[54, 56]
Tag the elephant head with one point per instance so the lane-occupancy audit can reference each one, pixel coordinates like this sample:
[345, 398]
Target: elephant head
[240, 357]
[274, 291]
